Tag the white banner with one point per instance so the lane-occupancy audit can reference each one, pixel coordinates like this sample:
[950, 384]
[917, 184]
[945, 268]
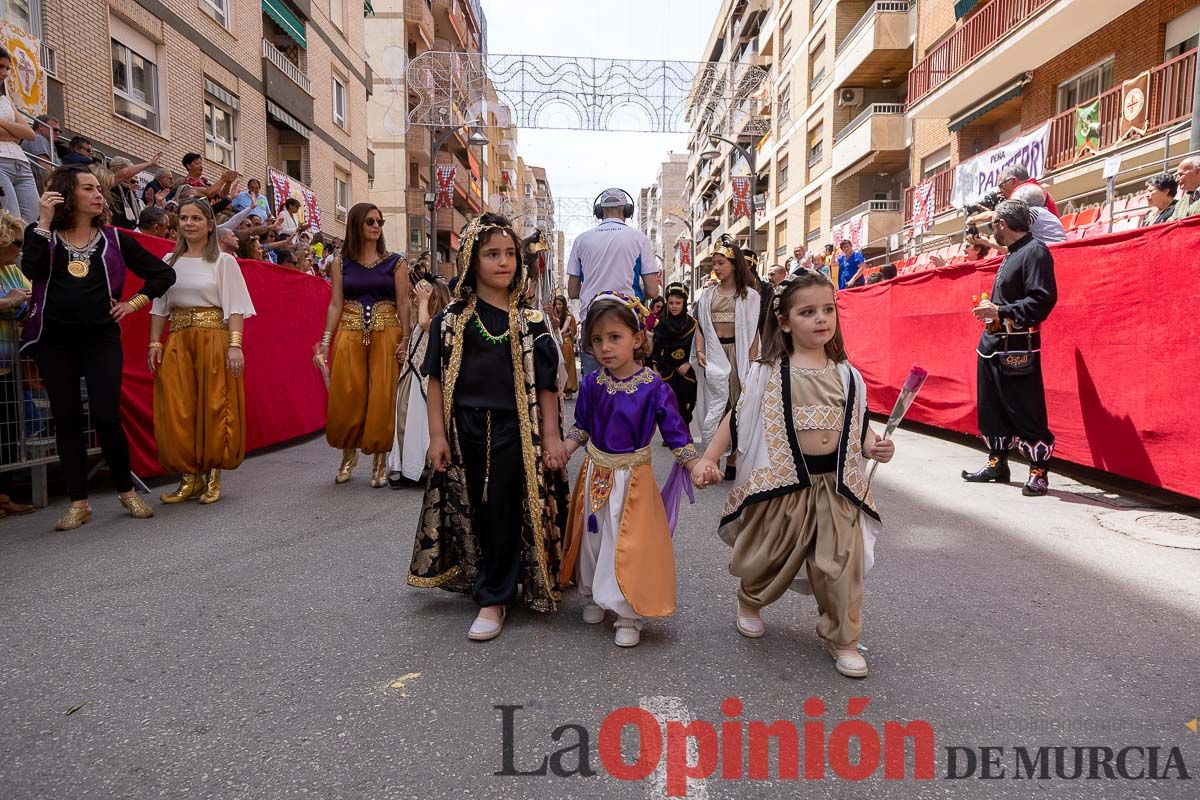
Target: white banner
[977, 176]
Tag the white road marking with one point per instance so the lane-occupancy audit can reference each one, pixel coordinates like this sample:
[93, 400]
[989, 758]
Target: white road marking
[672, 709]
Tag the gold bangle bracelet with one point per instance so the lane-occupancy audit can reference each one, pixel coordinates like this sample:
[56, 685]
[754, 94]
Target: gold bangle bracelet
[235, 339]
[327, 338]
[156, 345]
[138, 302]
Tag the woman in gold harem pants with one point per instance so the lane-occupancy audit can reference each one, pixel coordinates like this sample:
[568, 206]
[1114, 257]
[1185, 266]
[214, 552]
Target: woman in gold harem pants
[199, 398]
[372, 340]
[568, 327]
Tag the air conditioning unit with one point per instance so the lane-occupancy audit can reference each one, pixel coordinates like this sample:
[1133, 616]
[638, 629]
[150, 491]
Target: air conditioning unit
[849, 97]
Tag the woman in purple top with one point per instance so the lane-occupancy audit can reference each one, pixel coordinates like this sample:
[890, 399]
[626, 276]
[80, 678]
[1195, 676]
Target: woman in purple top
[371, 343]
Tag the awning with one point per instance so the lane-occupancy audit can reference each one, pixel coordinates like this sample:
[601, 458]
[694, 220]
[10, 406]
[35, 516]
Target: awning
[287, 119]
[963, 7]
[1002, 96]
[291, 24]
[368, 9]
[222, 95]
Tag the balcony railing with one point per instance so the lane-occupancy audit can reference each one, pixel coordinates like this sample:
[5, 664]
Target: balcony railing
[877, 206]
[977, 35]
[286, 66]
[943, 186]
[1170, 101]
[868, 112]
[880, 6]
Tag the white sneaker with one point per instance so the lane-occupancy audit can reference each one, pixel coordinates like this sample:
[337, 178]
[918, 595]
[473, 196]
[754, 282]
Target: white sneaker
[483, 629]
[593, 614]
[629, 632]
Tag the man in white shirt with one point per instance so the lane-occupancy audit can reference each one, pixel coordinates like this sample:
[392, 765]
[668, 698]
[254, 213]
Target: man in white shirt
[613, 257]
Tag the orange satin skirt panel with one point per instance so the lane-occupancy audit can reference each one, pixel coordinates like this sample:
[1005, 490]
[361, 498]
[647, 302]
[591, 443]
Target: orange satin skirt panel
[362, 382]
[199, 407]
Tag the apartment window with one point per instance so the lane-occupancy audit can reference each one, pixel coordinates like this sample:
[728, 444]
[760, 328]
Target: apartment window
[781, 239]
[782, 180]
[339, 102]
[25, 15]
[416, 232]
[785, 39]
[219, 131]
[341, 194]
[1085, 86]
[1186, 46]
[935, 162]
[785, 104]
[135, 85]
[218, 10]
[816, 63]
[291, 156]
[337, 13]
[812, 213]
[816, 146]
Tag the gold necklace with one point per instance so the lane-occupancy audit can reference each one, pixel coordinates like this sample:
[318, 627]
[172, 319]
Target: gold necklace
[487, 335]
[80, 258]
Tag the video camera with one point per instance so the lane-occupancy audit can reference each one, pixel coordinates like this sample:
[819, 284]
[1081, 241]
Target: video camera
[987, 203]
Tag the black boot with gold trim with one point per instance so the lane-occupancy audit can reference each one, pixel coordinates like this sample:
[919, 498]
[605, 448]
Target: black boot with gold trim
[996, 471]
[1038, 484]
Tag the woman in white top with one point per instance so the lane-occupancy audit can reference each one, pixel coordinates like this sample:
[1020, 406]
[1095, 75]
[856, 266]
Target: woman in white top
[199, 398]
[16, 178]
[289, 219]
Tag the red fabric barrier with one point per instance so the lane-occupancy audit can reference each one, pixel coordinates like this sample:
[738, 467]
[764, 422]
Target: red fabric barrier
[285, 394]
[1120, 350]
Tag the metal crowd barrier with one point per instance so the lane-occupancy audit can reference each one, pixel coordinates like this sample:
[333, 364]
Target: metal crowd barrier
[26, 424]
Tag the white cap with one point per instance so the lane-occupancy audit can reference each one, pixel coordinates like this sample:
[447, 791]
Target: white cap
[613, 198]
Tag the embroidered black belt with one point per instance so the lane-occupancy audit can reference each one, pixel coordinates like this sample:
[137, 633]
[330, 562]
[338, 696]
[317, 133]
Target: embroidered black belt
[727, 339]
[819, 465]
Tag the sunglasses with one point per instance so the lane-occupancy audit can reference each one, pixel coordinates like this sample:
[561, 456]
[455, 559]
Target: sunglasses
[374, 222]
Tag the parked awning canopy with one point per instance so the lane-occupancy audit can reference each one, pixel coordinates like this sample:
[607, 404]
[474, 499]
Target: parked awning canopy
[1006, 93]
[287, 119]
[291, 24]
[963, 7]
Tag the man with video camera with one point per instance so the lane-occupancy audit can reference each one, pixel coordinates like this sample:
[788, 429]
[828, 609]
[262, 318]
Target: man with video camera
[1015, 184]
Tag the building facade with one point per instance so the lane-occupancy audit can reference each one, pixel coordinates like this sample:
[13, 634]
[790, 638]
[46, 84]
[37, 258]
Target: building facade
[250, 84]
[663, 213]
[1025, 72]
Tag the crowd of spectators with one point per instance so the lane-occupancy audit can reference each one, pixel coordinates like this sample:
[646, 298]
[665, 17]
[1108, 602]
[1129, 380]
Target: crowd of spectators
[248, 228]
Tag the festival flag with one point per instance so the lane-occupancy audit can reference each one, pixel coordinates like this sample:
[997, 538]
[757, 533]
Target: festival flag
[26, 79]
[741, 196]
[445, 186]
[683, 252]
[922, 208]
[1087, 129]
[1135, 110]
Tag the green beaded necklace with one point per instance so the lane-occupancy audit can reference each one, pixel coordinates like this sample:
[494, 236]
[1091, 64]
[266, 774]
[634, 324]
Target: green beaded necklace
[487, 335]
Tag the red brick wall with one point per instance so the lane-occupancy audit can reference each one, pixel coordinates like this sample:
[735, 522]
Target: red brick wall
[1136, 40]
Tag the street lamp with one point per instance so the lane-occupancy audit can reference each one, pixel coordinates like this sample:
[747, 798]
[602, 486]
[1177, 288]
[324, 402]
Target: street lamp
[747, 153]
[478, 137]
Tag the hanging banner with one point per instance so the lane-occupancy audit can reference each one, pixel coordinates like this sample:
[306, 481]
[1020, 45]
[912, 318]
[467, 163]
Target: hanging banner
[1087, 130]
[1135, 110]
[284, 186]
[683, 252]
[741, 196]
[922, 208]
[445, 185]
[977, 176]
[26, 80]
[851, 229]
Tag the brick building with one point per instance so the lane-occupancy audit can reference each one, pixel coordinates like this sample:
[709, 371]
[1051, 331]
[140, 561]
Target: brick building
[1002, 70]
[250, 84]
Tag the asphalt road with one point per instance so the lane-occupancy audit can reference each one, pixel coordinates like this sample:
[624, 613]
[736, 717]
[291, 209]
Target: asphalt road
[268, 647]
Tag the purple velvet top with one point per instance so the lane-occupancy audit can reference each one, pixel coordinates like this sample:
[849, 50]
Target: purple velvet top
[620, 416]
[369, 286]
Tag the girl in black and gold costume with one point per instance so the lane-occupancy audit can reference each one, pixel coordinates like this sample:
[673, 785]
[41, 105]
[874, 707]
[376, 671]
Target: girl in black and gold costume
[673, 349]
[494, 510]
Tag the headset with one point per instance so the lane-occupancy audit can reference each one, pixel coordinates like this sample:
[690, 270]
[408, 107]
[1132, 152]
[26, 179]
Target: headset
[626, 209]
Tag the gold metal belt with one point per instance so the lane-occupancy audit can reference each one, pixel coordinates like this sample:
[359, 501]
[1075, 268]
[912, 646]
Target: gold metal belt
[356, 317]
[618, 460]
[197, 318]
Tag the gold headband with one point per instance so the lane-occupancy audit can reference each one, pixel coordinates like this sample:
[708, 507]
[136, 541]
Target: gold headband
[726, 247]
